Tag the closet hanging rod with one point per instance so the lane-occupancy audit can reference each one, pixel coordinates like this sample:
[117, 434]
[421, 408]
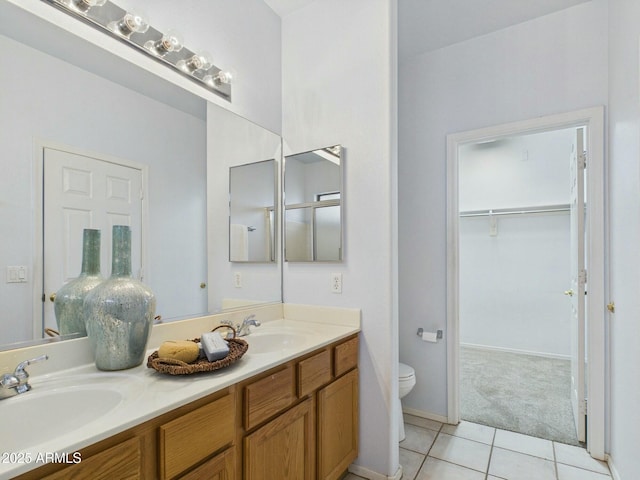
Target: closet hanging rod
[517, 211]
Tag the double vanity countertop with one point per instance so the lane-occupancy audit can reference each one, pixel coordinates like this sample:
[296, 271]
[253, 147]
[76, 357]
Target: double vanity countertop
[71, 408]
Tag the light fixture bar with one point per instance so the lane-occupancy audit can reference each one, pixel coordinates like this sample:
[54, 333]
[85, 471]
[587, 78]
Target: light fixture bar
[133, 30]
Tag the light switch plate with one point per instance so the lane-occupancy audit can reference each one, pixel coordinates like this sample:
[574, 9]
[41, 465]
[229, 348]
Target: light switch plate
[17, 274]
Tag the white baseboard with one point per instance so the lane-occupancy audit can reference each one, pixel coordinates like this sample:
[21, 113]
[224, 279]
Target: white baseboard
[427, 415]
[614, 473]
[515, 350]
[371, 475]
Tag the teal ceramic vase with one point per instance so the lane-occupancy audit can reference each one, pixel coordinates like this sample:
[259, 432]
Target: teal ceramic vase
[120, 311]
[68, 303]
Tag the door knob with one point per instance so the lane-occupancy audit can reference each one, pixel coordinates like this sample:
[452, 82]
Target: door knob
[52, 297]
[569, 292]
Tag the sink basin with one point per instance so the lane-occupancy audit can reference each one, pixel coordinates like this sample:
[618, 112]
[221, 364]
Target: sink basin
[261, 343]
[55, 409]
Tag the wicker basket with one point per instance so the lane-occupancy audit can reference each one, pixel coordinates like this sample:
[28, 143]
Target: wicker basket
[237, 348]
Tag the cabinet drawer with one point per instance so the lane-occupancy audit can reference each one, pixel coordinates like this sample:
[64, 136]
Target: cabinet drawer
[346, 357]
[220, 467]
[121, 461]
[191, 438]
[268, 396]
[314, 372]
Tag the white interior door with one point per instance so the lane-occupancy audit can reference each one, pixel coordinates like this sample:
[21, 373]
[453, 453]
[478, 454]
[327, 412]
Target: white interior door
[577, 291]
[84, 192]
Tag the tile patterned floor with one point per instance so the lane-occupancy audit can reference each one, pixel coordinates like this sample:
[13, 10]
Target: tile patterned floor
[434, 451]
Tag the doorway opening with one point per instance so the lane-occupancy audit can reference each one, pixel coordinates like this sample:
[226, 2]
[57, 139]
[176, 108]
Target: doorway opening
[513, 303]
[515, 263]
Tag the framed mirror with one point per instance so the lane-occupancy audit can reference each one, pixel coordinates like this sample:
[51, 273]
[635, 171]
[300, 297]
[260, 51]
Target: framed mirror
[253, 212]
[313, 193]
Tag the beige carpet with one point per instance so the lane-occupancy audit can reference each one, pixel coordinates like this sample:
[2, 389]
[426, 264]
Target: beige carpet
[521, 393]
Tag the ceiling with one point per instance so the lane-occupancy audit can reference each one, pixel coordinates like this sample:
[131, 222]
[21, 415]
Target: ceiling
[426, 25]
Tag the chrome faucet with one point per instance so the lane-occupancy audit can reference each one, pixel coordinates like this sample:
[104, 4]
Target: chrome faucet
[12, 384]
[244, 328]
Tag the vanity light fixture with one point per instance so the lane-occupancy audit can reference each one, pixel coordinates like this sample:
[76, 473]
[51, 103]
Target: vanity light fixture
[134, 29]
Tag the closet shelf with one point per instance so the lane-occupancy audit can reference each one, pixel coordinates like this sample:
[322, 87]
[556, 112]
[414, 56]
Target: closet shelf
[517, 211]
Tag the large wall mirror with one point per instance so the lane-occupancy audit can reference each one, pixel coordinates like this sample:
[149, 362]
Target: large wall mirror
[252, 212]
[313, 205]
[62, 94]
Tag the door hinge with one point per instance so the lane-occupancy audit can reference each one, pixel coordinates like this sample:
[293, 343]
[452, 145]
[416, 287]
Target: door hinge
[582, 277]
[582, 160]
[583, 407]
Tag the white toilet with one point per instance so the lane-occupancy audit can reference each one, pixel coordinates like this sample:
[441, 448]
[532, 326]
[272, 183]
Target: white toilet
[407, 380]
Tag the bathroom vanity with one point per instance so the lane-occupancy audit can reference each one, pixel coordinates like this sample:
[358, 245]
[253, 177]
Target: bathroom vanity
[289, 410]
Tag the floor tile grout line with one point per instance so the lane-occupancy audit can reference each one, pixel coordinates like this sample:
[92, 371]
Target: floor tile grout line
[493, 440]
[555, 460]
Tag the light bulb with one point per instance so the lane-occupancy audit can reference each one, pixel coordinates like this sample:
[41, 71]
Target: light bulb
[85, 5]
[170, 42]
[131, 23]
[199, 61]
[223, 77]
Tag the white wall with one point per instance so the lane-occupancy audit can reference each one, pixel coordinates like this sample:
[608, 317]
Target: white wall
[511, 284]
[338, 84]
[552, 64]
[624, 236]
[50, 101]
[521, 171]
[243, 36]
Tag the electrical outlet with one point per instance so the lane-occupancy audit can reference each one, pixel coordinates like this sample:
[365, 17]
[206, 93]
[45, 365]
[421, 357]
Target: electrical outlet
[237, 279]
[336, 282]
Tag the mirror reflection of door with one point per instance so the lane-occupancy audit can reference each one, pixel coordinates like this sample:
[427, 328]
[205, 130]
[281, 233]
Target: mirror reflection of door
[84, 192]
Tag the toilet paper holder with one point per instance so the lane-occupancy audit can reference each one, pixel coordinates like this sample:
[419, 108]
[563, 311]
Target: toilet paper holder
[438, 333]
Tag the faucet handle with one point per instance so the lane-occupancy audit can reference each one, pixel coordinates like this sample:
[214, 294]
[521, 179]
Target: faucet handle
[20, 371]
[251, 317]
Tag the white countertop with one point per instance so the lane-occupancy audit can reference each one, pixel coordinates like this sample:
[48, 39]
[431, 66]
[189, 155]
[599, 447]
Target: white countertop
[145, 392]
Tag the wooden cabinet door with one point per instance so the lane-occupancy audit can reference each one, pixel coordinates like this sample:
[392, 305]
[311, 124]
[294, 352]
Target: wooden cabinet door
[337, 426]
[220, 467]
[284, 448]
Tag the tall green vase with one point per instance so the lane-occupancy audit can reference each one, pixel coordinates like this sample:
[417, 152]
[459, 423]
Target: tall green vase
[68, 303]
[120, 311]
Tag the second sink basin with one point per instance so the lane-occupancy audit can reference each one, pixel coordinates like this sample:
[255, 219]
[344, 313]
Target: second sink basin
[268, 342]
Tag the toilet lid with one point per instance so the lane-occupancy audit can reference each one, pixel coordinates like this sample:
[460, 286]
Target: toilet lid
[405, 371]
